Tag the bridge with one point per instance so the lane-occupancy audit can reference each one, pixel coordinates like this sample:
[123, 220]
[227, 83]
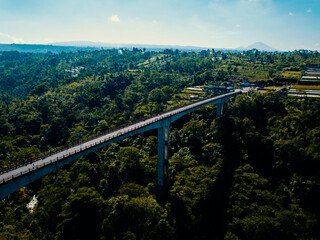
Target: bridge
[21, 175]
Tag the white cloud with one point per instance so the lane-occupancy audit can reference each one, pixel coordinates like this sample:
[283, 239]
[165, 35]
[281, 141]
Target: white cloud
[12, 38]
[114, 18]
[317, 45]
[238, 25]
[202, 28]
[290, 14]
[309, 10]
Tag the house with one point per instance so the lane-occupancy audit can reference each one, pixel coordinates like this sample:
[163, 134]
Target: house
[220, 89]
[247, 84]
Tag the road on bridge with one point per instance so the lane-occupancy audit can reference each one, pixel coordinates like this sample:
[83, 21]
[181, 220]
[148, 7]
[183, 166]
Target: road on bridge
[49, 159]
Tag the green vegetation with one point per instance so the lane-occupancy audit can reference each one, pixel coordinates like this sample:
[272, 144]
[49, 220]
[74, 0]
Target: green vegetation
[252, 174]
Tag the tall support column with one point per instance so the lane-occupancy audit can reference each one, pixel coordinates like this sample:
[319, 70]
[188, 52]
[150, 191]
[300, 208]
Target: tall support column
[219, 109]
[163, 160]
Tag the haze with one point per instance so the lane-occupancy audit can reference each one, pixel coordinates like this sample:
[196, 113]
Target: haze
[284, 25]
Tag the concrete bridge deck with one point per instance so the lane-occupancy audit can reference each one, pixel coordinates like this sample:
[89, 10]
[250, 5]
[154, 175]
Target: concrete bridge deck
[15, 178]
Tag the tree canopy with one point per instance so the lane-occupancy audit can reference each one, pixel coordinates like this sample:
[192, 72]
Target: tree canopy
[251, 174]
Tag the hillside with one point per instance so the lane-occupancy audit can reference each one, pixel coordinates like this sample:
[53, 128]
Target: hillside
[38, 48]
[251, 174]
[150, 47]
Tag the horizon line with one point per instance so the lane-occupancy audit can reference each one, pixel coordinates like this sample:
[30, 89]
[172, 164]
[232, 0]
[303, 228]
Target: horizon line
[161, 46]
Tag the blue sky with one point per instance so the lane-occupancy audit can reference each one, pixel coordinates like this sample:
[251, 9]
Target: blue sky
[282, 24]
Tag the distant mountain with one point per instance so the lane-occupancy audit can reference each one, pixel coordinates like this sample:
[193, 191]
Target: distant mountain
[126, 45]
[259, 46]
[149, 47]
[39, 48]
[84, 44]
[73, 46]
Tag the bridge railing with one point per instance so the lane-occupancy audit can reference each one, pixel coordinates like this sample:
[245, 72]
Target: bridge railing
[90, 138]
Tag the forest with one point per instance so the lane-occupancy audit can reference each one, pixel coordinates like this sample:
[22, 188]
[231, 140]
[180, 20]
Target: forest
[251, 174]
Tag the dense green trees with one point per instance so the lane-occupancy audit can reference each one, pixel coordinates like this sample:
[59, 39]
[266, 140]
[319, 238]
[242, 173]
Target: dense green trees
[252, 174]
[256, 213]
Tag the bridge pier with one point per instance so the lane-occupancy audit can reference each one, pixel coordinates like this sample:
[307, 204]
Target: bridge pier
[163, 160]
[219, 109]
[16, 177]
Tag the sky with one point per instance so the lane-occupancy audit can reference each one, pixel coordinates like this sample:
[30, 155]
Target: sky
[282, 24]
